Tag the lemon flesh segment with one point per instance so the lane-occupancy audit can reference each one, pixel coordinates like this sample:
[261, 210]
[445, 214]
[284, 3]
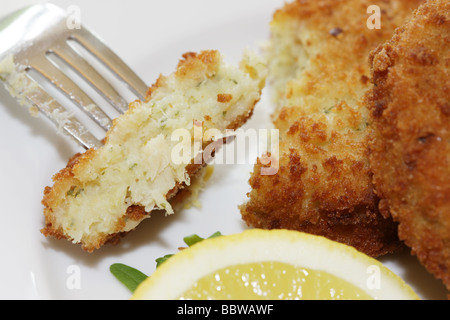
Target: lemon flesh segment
[272, 280]
[256, 248]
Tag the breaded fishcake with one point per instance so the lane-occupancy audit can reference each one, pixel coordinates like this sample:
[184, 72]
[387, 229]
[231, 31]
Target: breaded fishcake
[319, 69]
[410, 150]
[106, 192]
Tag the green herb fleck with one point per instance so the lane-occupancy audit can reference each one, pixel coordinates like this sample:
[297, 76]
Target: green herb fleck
[200, 83]
[134, 165]
[328, 110]
[73, 192]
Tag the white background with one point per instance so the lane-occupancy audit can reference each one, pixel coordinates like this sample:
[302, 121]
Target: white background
[150, 36]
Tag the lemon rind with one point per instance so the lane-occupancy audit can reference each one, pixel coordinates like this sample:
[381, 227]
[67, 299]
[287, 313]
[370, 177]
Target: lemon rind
[299, 249]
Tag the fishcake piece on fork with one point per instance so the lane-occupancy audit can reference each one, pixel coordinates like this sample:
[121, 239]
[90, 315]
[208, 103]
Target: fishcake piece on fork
[318, 68]
[108, 191]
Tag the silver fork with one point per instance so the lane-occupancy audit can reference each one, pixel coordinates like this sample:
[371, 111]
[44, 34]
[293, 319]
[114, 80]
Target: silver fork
[28, 36]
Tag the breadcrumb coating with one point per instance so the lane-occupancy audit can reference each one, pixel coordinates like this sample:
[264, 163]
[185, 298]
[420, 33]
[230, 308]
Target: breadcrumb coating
[410, 149]
[320, 73]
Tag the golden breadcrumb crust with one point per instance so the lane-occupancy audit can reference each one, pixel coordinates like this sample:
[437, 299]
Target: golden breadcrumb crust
[191, 66]
[323, 185]
[410, 150]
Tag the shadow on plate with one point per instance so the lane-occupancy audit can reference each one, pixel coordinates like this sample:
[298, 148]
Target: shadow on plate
[414, 274]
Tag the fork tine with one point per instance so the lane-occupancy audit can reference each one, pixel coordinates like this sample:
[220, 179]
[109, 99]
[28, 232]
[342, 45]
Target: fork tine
[28, 36]
[83, 68]
[111, 60]
[61, 117]
[41, 64]
[70, 125]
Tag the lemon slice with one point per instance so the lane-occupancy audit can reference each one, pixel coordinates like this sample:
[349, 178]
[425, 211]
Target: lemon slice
[276, 264]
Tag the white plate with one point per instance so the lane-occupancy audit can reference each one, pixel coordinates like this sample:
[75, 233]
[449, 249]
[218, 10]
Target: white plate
[151, 37]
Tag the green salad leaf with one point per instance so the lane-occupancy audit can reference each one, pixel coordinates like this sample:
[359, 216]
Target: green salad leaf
[129, 276]
[160, 260]
[193, 239]
[132, 277]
